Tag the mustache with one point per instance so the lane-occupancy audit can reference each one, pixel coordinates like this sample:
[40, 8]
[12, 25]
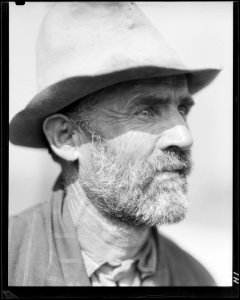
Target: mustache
[176, 160]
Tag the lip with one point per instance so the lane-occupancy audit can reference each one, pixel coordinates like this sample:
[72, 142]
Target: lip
[162, 176]
[181, 171]
[167, 174]
[170, 172]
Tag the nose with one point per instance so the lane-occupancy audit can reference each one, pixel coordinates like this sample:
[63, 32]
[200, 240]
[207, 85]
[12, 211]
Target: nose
[176, 136]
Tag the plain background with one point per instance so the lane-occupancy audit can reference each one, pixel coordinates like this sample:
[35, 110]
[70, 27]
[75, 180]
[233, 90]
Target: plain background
[201, 32]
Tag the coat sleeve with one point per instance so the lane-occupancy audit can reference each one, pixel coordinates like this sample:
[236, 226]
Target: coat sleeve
[184, 269]
[27, 248]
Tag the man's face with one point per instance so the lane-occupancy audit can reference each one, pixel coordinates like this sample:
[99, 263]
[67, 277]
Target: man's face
[134, 167]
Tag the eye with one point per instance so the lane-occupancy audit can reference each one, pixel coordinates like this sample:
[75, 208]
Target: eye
[183, 110]
[145, 112]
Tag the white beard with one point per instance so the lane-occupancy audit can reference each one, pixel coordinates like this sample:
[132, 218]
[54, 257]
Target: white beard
[138, 193]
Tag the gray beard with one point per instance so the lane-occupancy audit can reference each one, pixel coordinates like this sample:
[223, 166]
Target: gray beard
[137, 192]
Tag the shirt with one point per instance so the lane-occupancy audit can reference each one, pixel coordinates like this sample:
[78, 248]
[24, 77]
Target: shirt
[44, 251]
[135, 271]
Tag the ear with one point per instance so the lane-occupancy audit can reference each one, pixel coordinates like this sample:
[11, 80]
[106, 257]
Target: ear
[62, 138]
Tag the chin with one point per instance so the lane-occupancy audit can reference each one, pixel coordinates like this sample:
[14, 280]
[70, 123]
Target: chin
[171, 218]
[170, 208]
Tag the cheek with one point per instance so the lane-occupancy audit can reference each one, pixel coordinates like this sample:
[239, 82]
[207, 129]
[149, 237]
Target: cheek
[85, 155]
[134, 143]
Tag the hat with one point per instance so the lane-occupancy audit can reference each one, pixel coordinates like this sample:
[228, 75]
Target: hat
[84, 47]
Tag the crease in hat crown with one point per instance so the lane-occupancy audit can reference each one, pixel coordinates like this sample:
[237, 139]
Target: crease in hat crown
[94, 38]
[86, 46]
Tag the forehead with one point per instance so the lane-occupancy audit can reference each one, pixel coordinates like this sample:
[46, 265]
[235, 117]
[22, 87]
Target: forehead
[167, 87]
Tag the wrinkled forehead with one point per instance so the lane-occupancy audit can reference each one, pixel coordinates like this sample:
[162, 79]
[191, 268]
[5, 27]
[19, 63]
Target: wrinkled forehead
[179, 81]
[167, 87]
[171, 82]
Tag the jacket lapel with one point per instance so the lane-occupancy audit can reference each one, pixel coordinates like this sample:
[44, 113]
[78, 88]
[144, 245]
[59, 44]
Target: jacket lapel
[66, 266]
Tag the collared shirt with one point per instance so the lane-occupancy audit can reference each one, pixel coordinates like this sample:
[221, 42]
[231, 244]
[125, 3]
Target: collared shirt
[44, 251]
[135, 271]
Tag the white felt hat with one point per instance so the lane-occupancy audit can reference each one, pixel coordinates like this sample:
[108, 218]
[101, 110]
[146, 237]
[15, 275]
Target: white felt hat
[86, 46]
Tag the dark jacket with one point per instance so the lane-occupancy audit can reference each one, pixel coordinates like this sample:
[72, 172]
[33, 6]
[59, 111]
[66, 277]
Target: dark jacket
[44, 251]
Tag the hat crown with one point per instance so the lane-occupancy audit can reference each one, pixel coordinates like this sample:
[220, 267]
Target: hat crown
[84, 47]
[93, 38]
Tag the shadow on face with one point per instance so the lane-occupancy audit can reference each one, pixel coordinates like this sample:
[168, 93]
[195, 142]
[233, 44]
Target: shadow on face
[140, 116]
[135, 118]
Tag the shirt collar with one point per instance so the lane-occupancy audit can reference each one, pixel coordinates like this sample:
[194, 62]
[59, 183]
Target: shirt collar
[146, 259]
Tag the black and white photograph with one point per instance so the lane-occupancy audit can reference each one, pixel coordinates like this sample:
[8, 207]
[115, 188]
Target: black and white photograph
[120, 144]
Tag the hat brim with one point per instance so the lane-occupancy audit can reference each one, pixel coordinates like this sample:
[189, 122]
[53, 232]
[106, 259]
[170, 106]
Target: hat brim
[26, 127]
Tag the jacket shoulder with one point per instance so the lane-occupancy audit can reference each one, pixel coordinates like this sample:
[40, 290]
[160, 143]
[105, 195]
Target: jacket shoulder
[184, 269]
[28, 240]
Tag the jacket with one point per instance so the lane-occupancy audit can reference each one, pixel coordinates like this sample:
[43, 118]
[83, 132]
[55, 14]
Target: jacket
[44, 251]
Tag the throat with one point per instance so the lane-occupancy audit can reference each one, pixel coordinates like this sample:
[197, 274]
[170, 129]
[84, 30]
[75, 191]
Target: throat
[101, 239]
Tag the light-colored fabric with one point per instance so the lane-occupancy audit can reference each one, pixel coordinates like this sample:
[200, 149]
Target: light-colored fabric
[44, 251]
[124, 275]
[129, 272]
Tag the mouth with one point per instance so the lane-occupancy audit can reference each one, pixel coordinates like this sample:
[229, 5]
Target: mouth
[182, 172]
[166, 175]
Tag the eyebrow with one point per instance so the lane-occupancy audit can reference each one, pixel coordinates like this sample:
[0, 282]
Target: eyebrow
[187, 100]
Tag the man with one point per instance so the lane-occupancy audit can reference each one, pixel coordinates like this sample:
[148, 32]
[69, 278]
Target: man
[112, 110]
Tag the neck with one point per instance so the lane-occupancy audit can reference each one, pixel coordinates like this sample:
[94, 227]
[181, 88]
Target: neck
[99, 237]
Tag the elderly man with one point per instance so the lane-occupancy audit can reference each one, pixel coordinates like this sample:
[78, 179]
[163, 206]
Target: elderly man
[112, 110]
